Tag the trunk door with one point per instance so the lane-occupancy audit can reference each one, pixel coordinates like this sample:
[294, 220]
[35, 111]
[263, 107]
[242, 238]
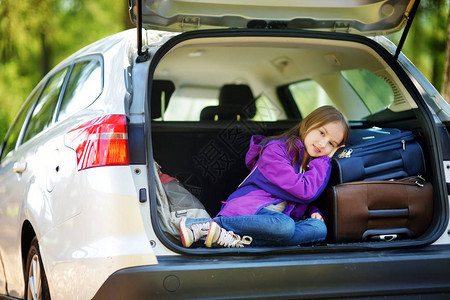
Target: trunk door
[366, 17]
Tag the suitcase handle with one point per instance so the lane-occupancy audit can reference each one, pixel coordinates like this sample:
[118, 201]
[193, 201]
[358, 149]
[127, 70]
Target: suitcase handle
[386, 234]
[388, 213]
[386, 237]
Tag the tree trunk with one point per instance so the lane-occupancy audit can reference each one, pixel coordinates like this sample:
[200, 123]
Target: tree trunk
[446, 84]
[46, 53]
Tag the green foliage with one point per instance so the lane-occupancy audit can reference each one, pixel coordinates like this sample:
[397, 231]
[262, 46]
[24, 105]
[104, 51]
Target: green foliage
[37, 34]
[4, 125]
[426, 43]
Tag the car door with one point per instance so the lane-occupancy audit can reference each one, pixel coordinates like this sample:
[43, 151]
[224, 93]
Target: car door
[19, 175]
[12, 187]
[84, 85]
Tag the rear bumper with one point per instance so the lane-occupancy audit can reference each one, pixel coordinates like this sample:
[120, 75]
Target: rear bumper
[422, 271]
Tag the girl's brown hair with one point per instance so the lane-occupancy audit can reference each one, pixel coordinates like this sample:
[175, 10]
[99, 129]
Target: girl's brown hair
[317, 118]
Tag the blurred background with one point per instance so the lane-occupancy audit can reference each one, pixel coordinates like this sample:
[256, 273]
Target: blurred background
[35, 35]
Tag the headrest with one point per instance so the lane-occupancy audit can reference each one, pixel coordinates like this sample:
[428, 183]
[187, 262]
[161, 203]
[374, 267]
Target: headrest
[235, 101]
[235, 94]
[160, 86]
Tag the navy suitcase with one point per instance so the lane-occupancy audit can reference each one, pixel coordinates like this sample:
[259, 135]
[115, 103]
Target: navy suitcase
[377, 154]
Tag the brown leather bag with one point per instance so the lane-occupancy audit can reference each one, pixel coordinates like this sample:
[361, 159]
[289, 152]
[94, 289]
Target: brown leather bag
[382, 210]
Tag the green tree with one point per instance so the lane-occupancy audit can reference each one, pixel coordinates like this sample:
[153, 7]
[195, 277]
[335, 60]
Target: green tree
[36, 34]
[427, 41]
[446, 82]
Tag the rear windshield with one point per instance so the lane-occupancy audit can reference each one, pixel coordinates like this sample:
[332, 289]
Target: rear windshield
[369, 94]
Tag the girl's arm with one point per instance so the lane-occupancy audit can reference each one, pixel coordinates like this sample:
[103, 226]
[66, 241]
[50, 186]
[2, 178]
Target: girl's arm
[275, 165]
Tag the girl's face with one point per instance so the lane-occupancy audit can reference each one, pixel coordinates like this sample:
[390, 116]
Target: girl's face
[324, 140]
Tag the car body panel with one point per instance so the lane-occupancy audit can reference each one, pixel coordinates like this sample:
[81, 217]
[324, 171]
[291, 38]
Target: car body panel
[118, 241]
[11, 197]
[365, 17]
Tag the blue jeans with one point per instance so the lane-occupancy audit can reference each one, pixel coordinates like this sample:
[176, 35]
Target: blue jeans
[270, 228]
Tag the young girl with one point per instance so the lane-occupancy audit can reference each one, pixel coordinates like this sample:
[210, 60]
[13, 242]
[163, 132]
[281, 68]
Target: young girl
[272, 206]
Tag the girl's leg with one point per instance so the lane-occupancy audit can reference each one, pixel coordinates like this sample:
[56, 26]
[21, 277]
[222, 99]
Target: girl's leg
[308, 232]
[269, 228]
[266, 228]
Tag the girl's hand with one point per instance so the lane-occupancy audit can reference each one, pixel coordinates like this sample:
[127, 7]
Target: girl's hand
[334, 150]
[318, 216]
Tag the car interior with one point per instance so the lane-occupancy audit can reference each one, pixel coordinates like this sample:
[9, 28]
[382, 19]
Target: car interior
[210, 95]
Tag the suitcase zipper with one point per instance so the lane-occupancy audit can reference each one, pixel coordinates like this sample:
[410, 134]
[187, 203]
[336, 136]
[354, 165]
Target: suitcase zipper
[375, 147]
[417, 180]
[347, 153]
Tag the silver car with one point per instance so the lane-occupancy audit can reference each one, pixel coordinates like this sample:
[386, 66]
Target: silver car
[80, 213]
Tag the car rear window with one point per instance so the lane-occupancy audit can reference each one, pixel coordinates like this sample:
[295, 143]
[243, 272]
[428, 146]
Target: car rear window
[187, 104]
[43, 112]
[84, 86]
[309, 95]
[14, 133]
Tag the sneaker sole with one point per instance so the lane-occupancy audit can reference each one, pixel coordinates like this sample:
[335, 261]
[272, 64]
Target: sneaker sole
[211, 234]
[185, 238]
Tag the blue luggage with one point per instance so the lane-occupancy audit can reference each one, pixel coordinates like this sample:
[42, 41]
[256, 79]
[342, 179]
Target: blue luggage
[377, 154]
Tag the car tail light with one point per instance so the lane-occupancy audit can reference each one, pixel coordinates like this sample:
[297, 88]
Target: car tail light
[100, 142]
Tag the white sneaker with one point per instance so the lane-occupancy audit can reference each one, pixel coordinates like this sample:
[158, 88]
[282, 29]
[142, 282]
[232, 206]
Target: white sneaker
[192, 233]
[219, 237]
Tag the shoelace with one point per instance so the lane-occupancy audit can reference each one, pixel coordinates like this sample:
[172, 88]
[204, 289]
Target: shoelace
[200, 230]
[230, 239]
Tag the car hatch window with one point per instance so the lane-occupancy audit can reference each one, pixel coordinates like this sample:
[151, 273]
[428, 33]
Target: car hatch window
[187, 103]
[84, 86]
[268, 110]
[43, 112]
[373, 90]
[309, 95]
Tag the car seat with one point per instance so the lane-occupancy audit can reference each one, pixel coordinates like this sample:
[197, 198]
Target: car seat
[162, 90]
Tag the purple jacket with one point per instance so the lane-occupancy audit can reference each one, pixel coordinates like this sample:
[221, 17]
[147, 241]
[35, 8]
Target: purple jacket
[273, 179]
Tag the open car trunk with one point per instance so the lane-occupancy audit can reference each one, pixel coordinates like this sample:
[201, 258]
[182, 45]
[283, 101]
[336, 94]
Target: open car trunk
[289, 74]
